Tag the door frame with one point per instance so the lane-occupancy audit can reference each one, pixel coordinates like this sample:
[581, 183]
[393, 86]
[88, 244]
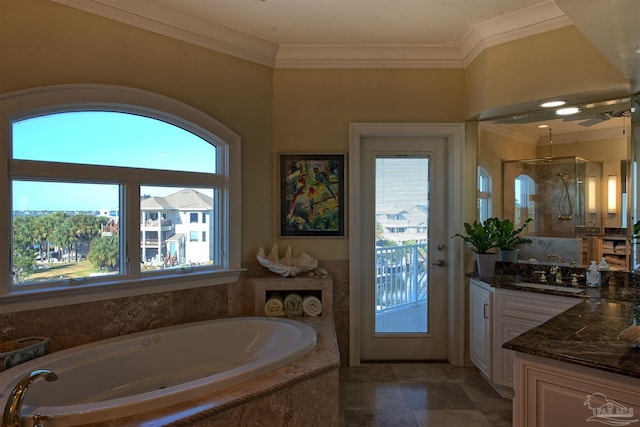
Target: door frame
[455, 135]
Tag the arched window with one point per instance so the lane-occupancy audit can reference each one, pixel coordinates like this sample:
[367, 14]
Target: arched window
[525, 205]
[112, 189]
[484, 194]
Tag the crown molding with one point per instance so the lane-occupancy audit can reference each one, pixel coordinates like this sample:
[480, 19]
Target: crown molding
[518, 134]
[510, 132]
[167, 22]
[368, 56]
[171, 23]
[526, 22]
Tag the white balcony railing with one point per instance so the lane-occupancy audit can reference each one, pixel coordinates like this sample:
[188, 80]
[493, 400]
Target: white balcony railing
[401, 276]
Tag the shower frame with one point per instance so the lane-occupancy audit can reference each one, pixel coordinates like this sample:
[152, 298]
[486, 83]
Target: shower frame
[563, 195]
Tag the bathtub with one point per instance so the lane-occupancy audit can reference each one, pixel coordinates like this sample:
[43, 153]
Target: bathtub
[140, 372]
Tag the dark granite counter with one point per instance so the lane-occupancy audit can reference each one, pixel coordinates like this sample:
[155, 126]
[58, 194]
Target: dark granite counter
[586, 334]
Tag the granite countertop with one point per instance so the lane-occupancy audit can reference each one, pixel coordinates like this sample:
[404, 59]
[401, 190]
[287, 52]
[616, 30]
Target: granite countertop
[586, 334]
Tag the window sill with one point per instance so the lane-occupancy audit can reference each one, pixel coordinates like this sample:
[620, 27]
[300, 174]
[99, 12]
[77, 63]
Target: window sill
[34, 299]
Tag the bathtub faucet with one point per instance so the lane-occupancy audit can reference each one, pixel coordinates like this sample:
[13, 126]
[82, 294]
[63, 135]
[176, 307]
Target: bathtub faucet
[11, 415]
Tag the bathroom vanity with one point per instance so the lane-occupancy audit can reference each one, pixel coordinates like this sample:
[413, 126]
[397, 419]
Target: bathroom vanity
[568, 370]
[498, 314]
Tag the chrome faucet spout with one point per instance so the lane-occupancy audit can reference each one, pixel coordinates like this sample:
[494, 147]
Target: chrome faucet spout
[11, 415]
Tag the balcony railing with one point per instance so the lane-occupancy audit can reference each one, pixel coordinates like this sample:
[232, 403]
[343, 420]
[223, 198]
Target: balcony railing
[156, 222]
[401, 276]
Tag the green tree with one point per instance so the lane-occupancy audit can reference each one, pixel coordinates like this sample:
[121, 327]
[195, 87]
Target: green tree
[87, 227]
[379, 231]
[23, 254]
[104, 253]
[24, 261]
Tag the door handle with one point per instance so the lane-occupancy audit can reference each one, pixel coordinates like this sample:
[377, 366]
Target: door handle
[439, 263]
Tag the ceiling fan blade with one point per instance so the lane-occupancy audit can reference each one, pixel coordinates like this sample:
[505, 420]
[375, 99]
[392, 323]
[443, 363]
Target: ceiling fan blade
[592, 122]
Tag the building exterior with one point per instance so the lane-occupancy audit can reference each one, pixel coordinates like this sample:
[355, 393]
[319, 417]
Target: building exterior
[403, 225]
[176, 229]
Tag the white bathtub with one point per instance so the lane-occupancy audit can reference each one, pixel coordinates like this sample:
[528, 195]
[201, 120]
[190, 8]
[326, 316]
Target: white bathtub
[140, 372]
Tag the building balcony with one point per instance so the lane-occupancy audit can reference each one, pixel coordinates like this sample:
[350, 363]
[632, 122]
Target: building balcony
[156, 223]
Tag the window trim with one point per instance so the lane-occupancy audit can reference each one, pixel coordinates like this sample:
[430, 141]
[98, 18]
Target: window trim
[79, 97]
[487, 196]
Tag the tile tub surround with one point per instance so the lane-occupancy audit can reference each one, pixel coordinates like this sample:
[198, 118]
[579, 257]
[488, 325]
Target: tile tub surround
[303, 393]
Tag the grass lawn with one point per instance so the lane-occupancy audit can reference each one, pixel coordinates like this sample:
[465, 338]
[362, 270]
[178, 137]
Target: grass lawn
[64, 270]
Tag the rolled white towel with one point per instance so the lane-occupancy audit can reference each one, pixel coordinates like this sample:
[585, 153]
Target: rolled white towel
[311, 305]
[293, 305]
[274, 306]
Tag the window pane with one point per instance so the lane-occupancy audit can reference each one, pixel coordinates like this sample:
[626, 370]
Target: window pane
[101, 137]
[64, 230]
[173, 240]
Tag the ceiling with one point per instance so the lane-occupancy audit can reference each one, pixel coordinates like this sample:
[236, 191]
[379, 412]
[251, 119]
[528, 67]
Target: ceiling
[378, 33]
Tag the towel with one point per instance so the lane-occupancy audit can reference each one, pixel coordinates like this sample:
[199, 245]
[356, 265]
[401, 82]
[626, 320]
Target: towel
[274, 306]
[312, 306]
[293, 305]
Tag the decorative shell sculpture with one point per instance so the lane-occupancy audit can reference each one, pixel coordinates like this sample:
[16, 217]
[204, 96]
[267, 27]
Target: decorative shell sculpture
[289, 265]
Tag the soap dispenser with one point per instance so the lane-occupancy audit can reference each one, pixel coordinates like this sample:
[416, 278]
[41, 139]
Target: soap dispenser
[603, 264]
[593, 275]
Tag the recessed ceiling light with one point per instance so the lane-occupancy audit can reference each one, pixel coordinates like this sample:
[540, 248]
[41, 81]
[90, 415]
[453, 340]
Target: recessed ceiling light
[567, 111]
[543, 126]
[551, 104]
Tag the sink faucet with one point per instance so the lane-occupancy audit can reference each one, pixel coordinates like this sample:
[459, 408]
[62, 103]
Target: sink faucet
[11, 415]
[555, 270]
[554, 256]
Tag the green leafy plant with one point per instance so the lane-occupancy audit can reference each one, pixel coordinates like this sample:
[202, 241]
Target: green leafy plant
[636, 232]
[481, 235]
[507, 236]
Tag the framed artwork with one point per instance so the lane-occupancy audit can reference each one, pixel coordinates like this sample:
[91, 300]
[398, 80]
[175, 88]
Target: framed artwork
[312, 201]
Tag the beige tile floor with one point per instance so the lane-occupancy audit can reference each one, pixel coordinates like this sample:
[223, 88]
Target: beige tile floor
[419, 394]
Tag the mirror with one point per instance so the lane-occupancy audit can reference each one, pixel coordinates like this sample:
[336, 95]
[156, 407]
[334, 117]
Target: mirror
[570, 173]
[634, 204]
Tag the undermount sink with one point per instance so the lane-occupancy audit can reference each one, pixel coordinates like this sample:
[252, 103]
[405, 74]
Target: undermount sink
[550, 287]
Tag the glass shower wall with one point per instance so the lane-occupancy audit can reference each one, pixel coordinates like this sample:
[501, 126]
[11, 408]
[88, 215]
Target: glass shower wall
[563, 195]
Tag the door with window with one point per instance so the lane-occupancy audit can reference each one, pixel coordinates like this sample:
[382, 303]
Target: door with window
[404, 249]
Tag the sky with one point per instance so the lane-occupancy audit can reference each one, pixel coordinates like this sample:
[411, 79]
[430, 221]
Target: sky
[102, 138]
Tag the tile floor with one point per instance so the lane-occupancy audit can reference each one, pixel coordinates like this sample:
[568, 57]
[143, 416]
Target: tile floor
[419, 394]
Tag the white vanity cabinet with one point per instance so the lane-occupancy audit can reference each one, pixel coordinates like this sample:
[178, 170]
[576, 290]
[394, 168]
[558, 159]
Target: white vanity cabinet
[517, 312]
[496, 316]
[480, 309]
[551, 393]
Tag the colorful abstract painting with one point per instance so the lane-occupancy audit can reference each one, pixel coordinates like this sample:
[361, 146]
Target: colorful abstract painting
[312, 195]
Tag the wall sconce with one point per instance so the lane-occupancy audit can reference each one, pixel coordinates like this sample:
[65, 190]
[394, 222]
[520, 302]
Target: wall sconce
[612, 194]
[591, 194]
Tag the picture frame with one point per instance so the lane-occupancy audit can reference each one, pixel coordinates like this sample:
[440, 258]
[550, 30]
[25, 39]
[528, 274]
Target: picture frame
[312, 197]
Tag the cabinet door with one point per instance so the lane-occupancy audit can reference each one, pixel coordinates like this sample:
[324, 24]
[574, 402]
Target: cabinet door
[503, 359]
[558, 394]
[517, 312]
[480, 334]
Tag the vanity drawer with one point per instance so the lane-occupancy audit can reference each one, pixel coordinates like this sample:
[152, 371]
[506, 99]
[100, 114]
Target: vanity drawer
[531, 306]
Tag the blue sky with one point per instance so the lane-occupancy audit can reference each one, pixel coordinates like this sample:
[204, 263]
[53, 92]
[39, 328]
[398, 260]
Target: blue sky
[102, 138]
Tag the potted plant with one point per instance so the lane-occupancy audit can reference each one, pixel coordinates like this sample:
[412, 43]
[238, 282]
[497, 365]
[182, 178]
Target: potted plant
[508, 238]
[482, 237]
